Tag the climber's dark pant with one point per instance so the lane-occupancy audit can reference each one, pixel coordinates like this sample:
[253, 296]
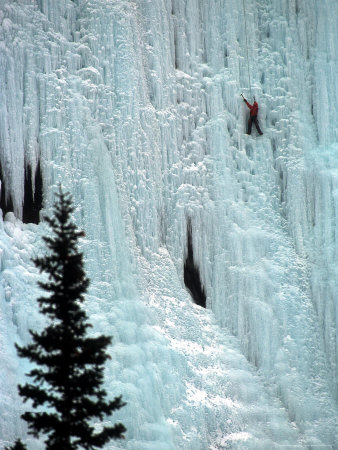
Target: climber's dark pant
[255, 121]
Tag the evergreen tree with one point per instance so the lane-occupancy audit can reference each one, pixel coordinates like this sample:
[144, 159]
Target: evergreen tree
[69, 374]
[17, 446]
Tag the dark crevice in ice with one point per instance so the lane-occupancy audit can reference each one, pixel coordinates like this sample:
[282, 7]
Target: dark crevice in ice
[6, 203]
[192, 278]
[32, 201]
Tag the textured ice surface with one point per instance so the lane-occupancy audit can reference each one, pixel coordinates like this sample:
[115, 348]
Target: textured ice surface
[135, 107]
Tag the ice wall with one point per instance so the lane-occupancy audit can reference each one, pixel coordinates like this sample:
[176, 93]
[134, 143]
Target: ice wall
[135, 107]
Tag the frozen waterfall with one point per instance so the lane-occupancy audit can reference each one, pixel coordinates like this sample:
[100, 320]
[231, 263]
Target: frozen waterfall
[134, 105]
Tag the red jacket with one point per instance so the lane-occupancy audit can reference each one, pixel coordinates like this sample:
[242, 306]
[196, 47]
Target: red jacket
[253, 108]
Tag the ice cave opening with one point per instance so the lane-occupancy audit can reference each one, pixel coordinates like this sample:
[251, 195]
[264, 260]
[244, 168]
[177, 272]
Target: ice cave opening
[6, 203]
[192, 278]
[33, 196]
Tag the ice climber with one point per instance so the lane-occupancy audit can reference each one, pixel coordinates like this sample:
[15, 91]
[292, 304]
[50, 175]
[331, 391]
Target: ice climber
[253, 115]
